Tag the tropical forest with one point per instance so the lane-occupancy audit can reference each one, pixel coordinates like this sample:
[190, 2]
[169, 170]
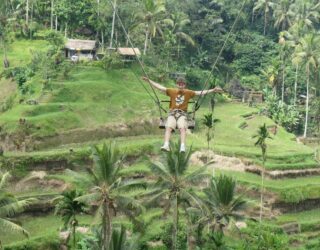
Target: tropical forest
[159, 124]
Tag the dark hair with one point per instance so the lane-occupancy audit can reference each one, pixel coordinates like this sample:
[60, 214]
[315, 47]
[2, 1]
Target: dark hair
[181, 79]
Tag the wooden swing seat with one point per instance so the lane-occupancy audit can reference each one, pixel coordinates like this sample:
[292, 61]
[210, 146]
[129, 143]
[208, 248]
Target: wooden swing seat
[191, 123]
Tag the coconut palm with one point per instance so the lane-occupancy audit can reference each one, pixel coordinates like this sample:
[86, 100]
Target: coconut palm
[175, 185]
[264, 6]
[10, 206]
[151, 16]
[293, 39]
[209, 121]
[221, 202]
[109, 188]
[68, 208]
[307, 13]
[283, 14]
[262, 136]
[175, 24]
[308, 54]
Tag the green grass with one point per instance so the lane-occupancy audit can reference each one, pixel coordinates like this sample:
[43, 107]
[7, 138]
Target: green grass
[287, 189]
[20, 51]
[39, 226]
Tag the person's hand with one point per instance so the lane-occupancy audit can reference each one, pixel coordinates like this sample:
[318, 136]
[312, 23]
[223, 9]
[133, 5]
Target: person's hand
[145, 78]
[218, 90]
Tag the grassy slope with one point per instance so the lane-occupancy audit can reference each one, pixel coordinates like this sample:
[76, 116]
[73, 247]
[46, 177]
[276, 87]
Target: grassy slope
[93, 97]
[40, 226]
[20, 51]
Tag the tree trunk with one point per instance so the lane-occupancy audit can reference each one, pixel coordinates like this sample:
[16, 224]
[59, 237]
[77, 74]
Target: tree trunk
[66, 30]
[27, 12]
[74, 232]
[109, 226]
[6, 63]
[105, 245]
[102, 40]
[261, 195]
[283, 78]
[113, 21]
[56, 23]
[51, 17]
[265, 22]
[98, 2]
[175, 223]
[307, 105]
[146, 42]
[296, 86]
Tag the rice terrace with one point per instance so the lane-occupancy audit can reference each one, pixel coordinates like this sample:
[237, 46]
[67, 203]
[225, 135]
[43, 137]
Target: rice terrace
[160, 124]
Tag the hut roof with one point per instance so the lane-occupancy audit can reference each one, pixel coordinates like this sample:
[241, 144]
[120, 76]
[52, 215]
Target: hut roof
[129, 51]
[80, 44]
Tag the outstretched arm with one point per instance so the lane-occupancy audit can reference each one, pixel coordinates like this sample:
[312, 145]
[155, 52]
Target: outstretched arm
[155, 84]
[215, 90]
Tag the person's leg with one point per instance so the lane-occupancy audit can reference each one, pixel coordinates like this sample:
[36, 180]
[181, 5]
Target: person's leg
[183, 133]
[182, 125]
[167, 136]
[170, 125]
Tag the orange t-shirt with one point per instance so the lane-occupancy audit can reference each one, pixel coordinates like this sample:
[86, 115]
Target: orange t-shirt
[179, 98]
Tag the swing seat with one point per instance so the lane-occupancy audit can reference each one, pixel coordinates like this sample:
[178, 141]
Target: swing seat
[191, 123]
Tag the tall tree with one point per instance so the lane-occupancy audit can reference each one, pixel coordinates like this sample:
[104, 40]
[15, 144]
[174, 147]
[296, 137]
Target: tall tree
[174, 184]
[307, 13]
[176, 24]
[109, 188]
[308, 54]
[264, 6]
[151, 16]
[283, 14]
[262, 136]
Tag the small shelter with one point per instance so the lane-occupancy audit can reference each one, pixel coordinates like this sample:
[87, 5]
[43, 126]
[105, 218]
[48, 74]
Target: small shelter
[76, 49]
[128, 54]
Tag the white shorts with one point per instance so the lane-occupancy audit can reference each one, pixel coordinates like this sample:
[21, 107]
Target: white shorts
[179, 122]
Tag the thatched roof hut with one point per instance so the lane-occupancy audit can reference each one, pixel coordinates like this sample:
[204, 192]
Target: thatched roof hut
[129, 51]
[77, 49]
[82, 45]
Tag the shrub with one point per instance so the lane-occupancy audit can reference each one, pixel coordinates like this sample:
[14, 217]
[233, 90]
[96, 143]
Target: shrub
[112, 61]
[166, 236]
[285, 115]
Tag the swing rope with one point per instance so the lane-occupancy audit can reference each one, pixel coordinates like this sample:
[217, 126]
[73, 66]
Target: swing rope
[155, 98]
[200, 99]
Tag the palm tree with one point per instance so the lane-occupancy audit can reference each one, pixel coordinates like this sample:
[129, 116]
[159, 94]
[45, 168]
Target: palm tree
[293, 39]
[307, 13]
[284, 47]
[262, 135]
[209, 121]
[9, 206]
[109, 189]
[68, 208]
[221, 203]
[308, 54]
[150, 17]
[264, 6]
[176, 23]
[174, 184]
[283, 14]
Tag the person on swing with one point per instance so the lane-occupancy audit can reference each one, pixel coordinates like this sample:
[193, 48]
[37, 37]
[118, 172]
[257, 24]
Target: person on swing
[177, 118]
